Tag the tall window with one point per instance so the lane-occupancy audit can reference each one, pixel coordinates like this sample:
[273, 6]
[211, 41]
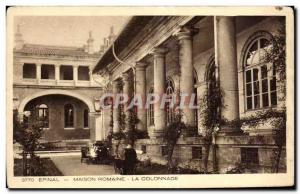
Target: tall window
[211, 77]
[169, 92]
[43, 113]
[69, 115]
[151, 109]
[260, 77]
[85, 118]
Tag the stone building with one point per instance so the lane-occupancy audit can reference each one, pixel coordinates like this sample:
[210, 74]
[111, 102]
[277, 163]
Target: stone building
[58, 81]
[186, 54]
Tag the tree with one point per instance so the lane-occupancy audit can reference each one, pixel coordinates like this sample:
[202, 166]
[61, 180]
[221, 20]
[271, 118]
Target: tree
[134, 133]
[210, 119]
[120, 135]
[171, 135]
[28, 135]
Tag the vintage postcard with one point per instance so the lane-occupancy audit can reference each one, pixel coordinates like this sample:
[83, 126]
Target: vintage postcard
[150, 97]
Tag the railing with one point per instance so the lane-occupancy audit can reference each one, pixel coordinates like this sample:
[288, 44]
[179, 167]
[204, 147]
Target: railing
[53, 82]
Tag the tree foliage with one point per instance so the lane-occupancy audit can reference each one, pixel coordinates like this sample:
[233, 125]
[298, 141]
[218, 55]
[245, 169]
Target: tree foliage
[28, 134]
[171, 135]
[210, 119]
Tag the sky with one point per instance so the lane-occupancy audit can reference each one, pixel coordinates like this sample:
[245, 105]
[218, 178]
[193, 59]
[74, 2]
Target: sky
[67, 30]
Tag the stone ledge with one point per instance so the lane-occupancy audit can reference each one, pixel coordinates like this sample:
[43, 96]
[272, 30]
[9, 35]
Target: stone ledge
[220, 140]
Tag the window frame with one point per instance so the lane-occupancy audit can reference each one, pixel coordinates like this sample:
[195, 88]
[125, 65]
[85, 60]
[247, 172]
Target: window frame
[45, 111]
[170, 89]
[69, 127]
[271, 74]
[33, 68]
[151, 109]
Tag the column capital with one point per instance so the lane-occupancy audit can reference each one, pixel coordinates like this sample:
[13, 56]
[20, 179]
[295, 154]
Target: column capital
[57, 65]
[140, 66]
[115, 82]
[125, 76]
[38, 64]
[185, 32]
[159, 51]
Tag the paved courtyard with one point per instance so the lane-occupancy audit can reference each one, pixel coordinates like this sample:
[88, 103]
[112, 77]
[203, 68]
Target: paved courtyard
[71, 166]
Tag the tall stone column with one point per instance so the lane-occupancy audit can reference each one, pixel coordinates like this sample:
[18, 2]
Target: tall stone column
[127, 92]
[38, 72]
[140, 77]
[75, 74]
[116, 111]
[226, 60]
[57, 73]
[159, 89]
[186, 73]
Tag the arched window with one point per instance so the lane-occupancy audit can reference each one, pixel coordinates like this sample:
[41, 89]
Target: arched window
[169, 92]
[43, 113]
[211, 76]
[260, 77]
[86, 118]
[69, 115]
[151, 109]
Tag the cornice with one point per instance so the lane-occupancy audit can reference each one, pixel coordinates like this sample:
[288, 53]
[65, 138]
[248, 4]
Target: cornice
[153, 36]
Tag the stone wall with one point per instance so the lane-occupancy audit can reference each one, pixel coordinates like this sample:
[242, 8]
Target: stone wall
[56, 130]
[228, 153]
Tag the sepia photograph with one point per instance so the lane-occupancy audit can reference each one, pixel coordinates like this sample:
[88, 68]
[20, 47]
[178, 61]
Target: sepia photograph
[180, 97]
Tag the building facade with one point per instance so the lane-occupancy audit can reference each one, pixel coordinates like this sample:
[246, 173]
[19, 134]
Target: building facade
[176, 54]
[58, 82]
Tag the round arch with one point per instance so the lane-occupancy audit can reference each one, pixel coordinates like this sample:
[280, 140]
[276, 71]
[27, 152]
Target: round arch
[255, 35]
[83, 98]
[195, 74]
[209, 65]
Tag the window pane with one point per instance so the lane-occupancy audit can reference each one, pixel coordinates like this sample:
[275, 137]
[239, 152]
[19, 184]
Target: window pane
[255, 74]
[248, 76]
[273, 84]
[273, 71]
[264, 71]
[264, 43]
[256, 101]
[249, 89]
[251, 52]
[249, 102]
[265, 100]
[264, 84]
[41, 113]
[274, 98]
[69, 115]
[256, 87]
